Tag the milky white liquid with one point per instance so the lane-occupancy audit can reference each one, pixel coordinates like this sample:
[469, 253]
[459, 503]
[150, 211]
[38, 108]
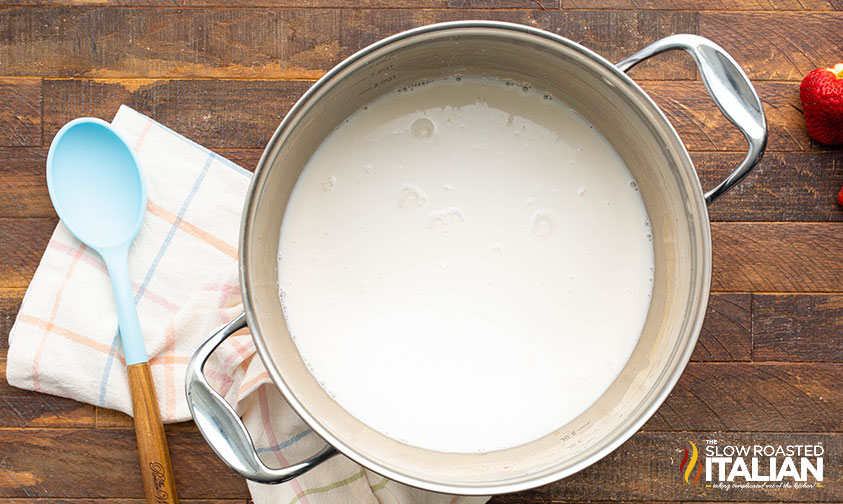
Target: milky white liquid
[465, 265]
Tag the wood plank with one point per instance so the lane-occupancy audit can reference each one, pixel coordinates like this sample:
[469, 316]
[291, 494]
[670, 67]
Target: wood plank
[216, 114]
[113, 419]
[22, 243]
[24, 184]
[244, 114]
[748, 256]
[10, 300]
[797, 328]
[703, 128]
[726, 332]
[143, 42]
[281, 43]
[245, 158]
[36, 500]
[103, 463]
[646, 469]
[92, 3]
[614, 35]
[20, 111]
[719, 5]
[789, 397]
[793, 187]
[777, 257]
[24, 408]
[292, 43]
[385, 4]
[776, 45]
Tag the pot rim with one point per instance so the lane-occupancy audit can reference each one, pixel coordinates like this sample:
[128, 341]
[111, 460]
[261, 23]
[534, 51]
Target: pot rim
[704, 286]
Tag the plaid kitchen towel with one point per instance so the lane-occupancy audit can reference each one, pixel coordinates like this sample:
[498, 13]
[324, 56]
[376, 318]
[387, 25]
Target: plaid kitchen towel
[183, 270]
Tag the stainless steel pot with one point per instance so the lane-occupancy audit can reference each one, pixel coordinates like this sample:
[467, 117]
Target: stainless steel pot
[603, 94]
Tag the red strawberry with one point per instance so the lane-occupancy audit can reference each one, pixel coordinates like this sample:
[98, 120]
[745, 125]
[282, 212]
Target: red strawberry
[821, 93]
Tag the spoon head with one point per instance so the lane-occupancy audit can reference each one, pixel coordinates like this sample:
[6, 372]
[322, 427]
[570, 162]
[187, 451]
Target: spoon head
[96, 184]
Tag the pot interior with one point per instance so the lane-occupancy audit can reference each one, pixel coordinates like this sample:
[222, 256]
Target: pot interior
[641, 136]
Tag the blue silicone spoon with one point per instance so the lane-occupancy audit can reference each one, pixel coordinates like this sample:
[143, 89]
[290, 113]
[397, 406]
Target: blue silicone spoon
[99, 193]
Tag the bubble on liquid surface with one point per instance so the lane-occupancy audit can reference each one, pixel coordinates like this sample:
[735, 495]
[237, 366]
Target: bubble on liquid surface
[633, 184]
[411, 197]
[448, 187]
[329, 183]
[544, 223]
[422, 128]
[444, 220]
[581, 191]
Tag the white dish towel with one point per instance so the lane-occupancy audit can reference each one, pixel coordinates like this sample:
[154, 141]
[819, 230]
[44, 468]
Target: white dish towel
[183, 270]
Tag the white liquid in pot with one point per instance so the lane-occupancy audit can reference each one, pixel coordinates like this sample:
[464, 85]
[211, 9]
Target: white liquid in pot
[465, 265]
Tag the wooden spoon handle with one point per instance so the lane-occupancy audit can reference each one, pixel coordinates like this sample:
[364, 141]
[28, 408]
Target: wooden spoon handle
[156, 469]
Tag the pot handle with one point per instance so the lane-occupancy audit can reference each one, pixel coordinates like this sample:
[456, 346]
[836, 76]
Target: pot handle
[221, 426]
[731, 90]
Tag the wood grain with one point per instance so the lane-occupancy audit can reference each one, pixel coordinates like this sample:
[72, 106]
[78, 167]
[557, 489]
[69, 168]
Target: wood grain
[646, 469]
[805, 397]
[20, 111]
[776, 45]
[293, 43]
[777, 257]
[244, 114]
[793, 187]
[150, 42]
[23, 408]
[703, 128]
[217, 114]
[796, 187]
[112, 419]
[797, 328]
[727, 330]
[103, 463]
[748, 256]
[385, 4]
[768, 358]
[155, 466]
[22, 243]
[10, 300]
[44, 463]
[93, 3]
[720, 5]
[614, 35]
[23, 183]
[281, 43]
[36, 500]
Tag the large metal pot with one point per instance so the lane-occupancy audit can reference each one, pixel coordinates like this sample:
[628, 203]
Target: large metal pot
[602, 93]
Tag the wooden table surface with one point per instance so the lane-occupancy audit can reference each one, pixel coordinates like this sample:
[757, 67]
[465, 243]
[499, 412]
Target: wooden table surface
[767, 368]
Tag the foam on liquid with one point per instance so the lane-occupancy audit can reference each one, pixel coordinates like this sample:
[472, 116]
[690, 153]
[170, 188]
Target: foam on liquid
[465, 265]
